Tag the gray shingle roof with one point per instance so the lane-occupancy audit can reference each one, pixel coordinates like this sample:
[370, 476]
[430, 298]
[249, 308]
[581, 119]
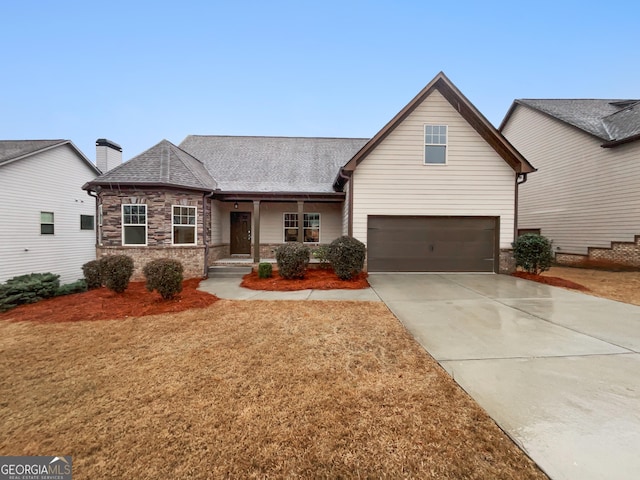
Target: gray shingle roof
[273, 164]
[13, 149]
[162, 164]
[609, 120]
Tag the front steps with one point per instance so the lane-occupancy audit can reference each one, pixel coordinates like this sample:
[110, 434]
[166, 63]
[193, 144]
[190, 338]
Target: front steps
[229, 271]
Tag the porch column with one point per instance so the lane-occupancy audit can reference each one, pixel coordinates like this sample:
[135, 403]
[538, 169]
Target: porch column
[301, 221]
[256, 231]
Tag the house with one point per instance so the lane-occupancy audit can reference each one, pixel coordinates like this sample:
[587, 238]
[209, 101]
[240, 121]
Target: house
[46, 221]
[434, 190]
[585, 197]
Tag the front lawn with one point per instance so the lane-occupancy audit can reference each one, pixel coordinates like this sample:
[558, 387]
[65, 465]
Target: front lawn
[244, 390]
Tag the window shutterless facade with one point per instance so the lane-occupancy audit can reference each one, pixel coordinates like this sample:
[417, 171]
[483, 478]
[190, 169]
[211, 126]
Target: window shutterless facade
[46, 223]
[435, 144]
[184, 225]
[86, 222]
[311, 227]
[134, 224]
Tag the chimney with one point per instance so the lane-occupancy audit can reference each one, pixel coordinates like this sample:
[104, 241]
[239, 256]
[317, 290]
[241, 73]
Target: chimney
[108, 154]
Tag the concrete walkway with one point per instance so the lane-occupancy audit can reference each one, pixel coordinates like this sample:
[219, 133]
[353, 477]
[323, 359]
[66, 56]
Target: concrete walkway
[557, 370]
[230, 288]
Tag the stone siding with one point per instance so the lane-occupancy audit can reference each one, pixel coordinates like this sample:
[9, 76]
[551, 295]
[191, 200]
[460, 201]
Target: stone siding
[620, 253]
[507, 261]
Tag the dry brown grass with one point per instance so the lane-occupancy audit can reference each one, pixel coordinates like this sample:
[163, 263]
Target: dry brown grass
[245, 390]
[621, 286]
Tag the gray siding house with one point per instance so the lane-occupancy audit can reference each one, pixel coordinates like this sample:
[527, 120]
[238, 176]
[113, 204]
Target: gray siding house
[585, 196]
[434, 190]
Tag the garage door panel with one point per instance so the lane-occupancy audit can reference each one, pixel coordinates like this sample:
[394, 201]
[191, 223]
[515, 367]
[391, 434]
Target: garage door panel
[431, 244]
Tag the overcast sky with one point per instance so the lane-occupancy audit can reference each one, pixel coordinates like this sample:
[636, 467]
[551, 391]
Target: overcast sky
[137, 72]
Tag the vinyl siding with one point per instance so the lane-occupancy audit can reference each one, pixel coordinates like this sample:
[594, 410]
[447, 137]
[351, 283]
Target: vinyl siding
[583, 195]
[272, 219]
[216, 222]
[393, 180]
[50, 182]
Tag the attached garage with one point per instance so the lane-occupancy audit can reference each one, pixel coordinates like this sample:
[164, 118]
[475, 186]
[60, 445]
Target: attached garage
[432, 244]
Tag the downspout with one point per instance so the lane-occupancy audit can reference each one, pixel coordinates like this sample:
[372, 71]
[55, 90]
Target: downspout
[96, 217]
[520, 179]
[348, 178]
[205, 240]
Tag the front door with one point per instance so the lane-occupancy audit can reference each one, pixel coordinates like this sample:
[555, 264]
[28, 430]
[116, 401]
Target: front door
[240, 233]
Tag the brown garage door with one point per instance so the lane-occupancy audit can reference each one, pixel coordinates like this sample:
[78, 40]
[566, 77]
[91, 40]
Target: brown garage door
[432, 244]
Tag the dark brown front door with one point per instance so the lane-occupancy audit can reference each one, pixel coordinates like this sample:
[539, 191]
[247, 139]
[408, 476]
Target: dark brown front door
[432, 244]
[240, 233]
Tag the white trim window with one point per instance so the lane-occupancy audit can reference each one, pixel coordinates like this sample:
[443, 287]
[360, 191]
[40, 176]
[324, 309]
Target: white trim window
[100, 224]
[311, 227]
[134, 224]
[435, 144]
[46, 223]
[183, 231]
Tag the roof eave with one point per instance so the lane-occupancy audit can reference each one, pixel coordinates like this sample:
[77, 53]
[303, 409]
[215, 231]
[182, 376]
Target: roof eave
[615, 143]
[91, 186]
[231, 196]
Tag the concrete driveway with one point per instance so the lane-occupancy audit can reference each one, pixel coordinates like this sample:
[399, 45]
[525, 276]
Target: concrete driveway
[559, 371]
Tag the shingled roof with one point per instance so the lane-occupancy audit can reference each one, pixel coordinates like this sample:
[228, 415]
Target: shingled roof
[273, 164]
[14, 150]
[614, 121]
[163, 164]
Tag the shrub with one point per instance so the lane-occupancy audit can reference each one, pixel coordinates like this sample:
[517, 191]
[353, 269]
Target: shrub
[292, 258]
[165, 276]
[92, 274]
[321, 253]
[78, 286]
[533, 253]
[346, 255]
[265, 270]
[28, 289]
[116, 271]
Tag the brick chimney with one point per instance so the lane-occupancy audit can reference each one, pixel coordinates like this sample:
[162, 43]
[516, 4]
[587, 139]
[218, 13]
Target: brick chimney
[108, 154]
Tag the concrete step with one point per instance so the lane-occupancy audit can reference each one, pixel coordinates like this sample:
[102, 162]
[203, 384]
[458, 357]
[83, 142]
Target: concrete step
[229, 271]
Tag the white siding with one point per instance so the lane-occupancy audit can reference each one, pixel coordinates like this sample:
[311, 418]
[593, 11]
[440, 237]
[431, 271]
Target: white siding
[50, 182]
[272, 219]
[345, 211]
[216, 222]
[393, 180]
[583, 195]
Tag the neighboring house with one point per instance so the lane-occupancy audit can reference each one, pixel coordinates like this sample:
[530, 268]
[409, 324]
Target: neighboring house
[434, 190]
[47, 223]
[585, 197]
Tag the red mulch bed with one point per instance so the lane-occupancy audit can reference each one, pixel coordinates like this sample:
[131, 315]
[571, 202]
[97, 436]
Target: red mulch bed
[554, 281]
[103, 304]
[316, 279]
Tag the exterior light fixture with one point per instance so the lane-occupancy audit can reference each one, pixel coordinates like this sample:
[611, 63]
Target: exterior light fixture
[235, 205]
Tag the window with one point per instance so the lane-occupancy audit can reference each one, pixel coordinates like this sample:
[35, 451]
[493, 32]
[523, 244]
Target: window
[100, 224]
[86, 222]
[311, 227]
[435, 144]
[134, 224]
[184, 225]
[46, 223]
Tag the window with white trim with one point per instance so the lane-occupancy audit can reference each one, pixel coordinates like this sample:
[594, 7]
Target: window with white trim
[99, 224]
[311, 227]
[46, 223]
[435, 144]
[184, 225]
[134, 224]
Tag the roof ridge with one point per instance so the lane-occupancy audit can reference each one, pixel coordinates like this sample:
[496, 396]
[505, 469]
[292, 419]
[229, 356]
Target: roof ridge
[276, 136]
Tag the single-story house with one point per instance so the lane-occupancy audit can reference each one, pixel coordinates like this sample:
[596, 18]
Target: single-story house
[433, 190]
[47, 223]
[585, 197]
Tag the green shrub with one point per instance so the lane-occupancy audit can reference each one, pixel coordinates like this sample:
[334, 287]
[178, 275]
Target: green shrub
[92, 274]
[533, 253]
[165, 276]
[346, 255]
[292, 258]
[28, 289]
[321, 253]
[78, 286]
[265, 270]
[116, 271]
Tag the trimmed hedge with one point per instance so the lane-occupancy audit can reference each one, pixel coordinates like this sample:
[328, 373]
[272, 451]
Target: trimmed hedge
[28, 288]
[92, 274]
[265, 270]
[533, 253]
[321, 253]
[164, 275]
[347, 255]
[79, 286]
[292, 258]
[116, 272]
